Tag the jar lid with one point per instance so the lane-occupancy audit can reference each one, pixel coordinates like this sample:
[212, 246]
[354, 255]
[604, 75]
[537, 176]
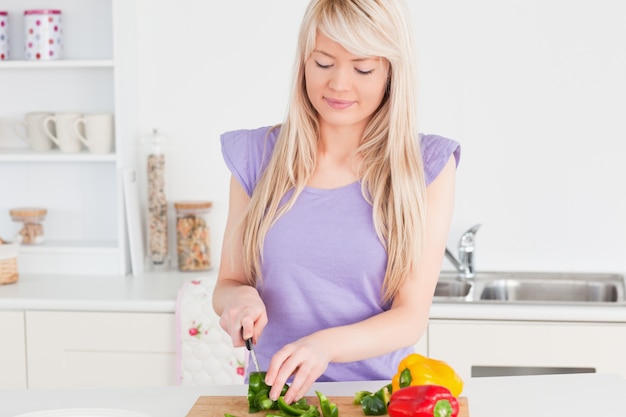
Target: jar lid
[192, 205]
[41, 11]
[28, 212]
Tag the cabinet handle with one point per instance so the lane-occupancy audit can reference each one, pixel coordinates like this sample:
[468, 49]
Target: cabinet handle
[483, 371]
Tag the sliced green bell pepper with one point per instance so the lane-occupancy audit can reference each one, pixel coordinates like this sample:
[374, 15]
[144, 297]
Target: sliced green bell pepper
[328, 409]
[258, 393]
[298, 408]
[374, 404]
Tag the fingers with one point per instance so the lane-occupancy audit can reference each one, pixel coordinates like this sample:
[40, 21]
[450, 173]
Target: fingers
[244, 318]
[279, 370]
[253, 328]
[302, 382]
[243, 326]
[226, 323]
[302, 361]
[247, 328]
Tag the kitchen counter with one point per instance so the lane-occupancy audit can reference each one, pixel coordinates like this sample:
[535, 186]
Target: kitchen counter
[157, 292]
[150, 293]
[538, 396]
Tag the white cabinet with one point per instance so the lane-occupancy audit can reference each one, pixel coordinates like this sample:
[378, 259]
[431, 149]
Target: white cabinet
[84, 228]
[497, 347]
[12, 350]
[422, 345]
[93, 349]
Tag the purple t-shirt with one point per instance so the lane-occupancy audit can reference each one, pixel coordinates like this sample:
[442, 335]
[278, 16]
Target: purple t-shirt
[323, 264]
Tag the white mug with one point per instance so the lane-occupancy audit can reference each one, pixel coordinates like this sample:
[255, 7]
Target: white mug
[66, 138]
[32, 132]
[98, 128]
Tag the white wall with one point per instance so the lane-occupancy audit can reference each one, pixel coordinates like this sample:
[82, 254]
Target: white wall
[535, 90]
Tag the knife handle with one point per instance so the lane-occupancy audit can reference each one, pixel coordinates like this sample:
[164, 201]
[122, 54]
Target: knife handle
[249, 344]
[248, 341]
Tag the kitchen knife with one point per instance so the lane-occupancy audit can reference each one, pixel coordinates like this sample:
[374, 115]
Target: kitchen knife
[250, 347]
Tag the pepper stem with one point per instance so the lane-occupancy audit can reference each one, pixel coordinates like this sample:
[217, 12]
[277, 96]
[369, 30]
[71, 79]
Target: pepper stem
[443, 408]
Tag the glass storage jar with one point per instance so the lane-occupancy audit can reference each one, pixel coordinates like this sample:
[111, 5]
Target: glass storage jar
[157, 202]
[193, 235]
[32, 218]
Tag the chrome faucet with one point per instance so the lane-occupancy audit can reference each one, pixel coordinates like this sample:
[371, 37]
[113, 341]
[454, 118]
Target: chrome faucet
[465, 262]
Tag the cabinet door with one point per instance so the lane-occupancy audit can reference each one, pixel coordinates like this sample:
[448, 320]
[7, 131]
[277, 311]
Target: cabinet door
[92, 349]
[480, 348]
[12, 350]
[422, 345]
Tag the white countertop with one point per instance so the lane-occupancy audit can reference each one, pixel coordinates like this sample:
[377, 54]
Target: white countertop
[157, 292]
[152, 293]
[550, 395]
[581, 395]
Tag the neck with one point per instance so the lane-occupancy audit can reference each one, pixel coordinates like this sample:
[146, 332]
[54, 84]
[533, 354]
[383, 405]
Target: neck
[339, 140]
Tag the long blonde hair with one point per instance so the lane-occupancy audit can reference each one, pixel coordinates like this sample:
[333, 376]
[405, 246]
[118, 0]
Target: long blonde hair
[391, 172]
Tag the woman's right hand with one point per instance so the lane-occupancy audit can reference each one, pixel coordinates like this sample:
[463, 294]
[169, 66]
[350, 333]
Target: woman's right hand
[244, 316]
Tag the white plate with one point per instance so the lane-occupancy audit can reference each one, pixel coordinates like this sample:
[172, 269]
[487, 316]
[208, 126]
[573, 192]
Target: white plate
[84, 412]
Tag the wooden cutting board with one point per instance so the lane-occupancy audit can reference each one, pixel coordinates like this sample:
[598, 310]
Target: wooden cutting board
[209, 406]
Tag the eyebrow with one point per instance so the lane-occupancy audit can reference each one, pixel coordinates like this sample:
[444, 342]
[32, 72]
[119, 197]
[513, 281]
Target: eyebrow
[331, 56]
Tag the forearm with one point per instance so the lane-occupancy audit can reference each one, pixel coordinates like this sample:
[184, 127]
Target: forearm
[231, 281]
[401, 326]
[227, 290]
[388, 331]
[309, 356]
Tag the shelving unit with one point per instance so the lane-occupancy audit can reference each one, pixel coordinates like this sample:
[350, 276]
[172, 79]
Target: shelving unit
[72, 63]
[54, 155]
[85, 227]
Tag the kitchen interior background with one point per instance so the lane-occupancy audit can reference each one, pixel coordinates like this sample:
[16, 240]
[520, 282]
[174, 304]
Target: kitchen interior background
[535, 91]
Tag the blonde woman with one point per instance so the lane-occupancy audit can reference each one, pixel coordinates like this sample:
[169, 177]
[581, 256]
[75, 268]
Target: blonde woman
[338, 217]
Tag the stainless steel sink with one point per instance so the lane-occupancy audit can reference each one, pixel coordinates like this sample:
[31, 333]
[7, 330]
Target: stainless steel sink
[550, 290]
[452, 288]
[530, 287]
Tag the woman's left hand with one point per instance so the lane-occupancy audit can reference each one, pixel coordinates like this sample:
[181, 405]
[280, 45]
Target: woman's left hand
[306, 359]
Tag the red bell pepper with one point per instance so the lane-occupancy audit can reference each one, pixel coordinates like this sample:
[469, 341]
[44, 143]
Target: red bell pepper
[423, 401]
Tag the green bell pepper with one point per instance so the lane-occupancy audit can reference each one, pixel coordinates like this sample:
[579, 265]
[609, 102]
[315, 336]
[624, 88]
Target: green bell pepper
[258, 393]
[374, 404]
[328, 409]
[298, 408]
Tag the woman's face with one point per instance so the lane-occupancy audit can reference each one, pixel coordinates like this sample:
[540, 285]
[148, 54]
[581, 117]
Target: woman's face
[344, 89]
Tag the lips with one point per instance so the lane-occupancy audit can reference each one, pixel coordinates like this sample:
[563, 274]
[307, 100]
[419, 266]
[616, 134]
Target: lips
[338, 104]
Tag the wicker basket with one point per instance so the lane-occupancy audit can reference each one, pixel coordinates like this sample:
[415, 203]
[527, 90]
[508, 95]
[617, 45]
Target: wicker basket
[8, 263]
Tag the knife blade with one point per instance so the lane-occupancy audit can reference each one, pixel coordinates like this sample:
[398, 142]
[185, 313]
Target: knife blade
[250, 347]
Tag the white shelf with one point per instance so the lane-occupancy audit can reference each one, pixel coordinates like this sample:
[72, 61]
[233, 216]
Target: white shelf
[27, 155]
[61, 63]
[70, 258]
[71, 247]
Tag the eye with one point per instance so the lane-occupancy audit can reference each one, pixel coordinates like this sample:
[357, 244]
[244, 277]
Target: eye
[322, 65]
[362, 72]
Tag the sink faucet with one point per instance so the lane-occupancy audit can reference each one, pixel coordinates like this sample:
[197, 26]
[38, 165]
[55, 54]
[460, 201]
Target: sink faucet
[465, 263]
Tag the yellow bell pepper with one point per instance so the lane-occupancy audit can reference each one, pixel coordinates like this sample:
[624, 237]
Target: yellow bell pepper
[416, 369]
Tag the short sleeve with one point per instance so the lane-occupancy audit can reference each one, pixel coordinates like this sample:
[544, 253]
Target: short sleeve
[436, 152]
[247, 153]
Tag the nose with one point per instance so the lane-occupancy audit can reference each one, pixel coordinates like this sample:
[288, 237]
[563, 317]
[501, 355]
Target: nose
[339, 79]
